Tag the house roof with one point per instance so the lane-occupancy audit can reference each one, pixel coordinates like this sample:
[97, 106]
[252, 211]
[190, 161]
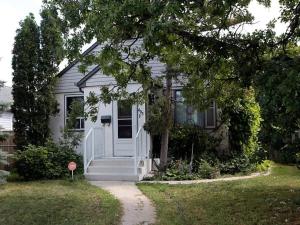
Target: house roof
[86, 52]
[81, 83]
[6, 95]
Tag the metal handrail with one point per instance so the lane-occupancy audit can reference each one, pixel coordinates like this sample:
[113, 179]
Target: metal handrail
[87, 161]
[138, 147]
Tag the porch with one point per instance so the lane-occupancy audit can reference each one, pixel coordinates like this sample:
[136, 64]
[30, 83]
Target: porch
[99, 166]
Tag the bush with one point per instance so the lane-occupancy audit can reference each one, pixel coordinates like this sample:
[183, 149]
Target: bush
[264, 166]
[14, 177]
[244, 119]
[179, 170]
[206, 171]
[239, 163]
[298, 160]
[287, 154]
[49, 162]
[184, 138]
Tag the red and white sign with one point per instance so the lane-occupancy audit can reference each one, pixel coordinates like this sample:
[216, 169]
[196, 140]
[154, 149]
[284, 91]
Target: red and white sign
[72, 166]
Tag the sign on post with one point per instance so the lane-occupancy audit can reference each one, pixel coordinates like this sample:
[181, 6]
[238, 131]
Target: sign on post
[72, 167]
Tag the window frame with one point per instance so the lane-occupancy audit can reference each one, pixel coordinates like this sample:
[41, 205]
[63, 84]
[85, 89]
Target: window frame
[66, 112]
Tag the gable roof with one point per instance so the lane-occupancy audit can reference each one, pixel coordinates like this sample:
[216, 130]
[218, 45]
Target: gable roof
[81, 83]
[86, 52]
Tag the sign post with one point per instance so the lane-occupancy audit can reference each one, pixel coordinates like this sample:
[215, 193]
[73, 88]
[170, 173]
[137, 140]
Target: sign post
[72, 167]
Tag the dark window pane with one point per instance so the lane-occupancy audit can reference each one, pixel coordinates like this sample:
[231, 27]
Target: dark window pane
[125, 122]
[180, 109]
[71, 99]
[125, 132]
[180, 113]
[201, 119]
[210, 116]
[77, 124]
[124, 119]
[82, 123]
[124, 109]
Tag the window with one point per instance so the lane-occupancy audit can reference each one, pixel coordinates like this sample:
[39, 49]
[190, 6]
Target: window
[210, 116]
[124, 119]
[79, 124]
[187, 114]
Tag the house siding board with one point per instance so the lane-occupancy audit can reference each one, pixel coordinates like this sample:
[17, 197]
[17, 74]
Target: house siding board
[68, 80]
[6, 121]
[157, 69]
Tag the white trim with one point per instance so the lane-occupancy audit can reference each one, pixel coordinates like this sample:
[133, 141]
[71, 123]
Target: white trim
[214, 115]
[65, 110]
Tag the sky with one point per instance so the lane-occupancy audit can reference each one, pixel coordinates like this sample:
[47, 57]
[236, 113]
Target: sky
[13, 11]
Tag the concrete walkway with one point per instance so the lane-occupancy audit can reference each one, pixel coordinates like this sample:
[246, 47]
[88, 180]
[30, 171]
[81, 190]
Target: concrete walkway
[137, 208]
[253, 175]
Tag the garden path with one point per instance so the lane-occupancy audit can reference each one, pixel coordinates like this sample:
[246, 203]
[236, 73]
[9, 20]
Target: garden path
[137, 208]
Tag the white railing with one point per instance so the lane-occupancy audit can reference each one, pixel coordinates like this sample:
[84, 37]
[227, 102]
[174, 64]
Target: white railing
[141, 147]
[88, 149]
[93, 146]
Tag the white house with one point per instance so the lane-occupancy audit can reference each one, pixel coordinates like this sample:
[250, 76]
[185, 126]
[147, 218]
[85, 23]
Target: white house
[115, 147]
[6, 116]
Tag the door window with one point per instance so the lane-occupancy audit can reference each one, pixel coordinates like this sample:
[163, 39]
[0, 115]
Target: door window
[124, 119]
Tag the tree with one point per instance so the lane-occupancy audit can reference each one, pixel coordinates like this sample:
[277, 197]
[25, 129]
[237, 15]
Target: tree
[51, 55]
[278, 93]
[36, 55]
[200, 40]
[25, 64]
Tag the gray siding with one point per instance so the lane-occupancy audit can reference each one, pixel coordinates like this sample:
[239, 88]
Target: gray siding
[67, 82]
[157, 69]
[6, 121]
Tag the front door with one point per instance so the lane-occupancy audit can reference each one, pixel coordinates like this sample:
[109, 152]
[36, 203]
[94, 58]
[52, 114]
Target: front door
[124, 128]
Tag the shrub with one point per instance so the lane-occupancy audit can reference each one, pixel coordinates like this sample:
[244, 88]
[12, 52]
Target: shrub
[244, 119]
[239, 163]
[287, 154]
[178, 170]
[264, 166]
[49, 162]
[184, 138]
[3, 157]
[206, 171]
[14, 177]
[298, 160]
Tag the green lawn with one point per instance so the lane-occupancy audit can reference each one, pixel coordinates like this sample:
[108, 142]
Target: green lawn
[273, 199]
[56, 203]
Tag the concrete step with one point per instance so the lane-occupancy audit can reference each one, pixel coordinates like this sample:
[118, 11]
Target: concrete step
[115, 162]
[111, 169]
[111, 177]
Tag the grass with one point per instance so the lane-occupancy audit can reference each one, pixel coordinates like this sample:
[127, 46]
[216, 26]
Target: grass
[57, 203]
[273, 199]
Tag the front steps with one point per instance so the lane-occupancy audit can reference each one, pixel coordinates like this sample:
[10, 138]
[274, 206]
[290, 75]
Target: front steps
[116, 169]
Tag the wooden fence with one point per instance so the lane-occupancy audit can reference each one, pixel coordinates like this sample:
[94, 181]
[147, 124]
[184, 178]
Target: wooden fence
[8, 145]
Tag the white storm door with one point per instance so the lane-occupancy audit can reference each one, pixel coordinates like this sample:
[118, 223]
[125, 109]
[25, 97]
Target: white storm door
[124, 128]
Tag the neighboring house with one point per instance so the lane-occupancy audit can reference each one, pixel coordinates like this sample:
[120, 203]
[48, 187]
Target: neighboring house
[6, 119]
[6, 116]
[115, 147]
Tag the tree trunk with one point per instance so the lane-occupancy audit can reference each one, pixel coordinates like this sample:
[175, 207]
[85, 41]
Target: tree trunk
[167, 123]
